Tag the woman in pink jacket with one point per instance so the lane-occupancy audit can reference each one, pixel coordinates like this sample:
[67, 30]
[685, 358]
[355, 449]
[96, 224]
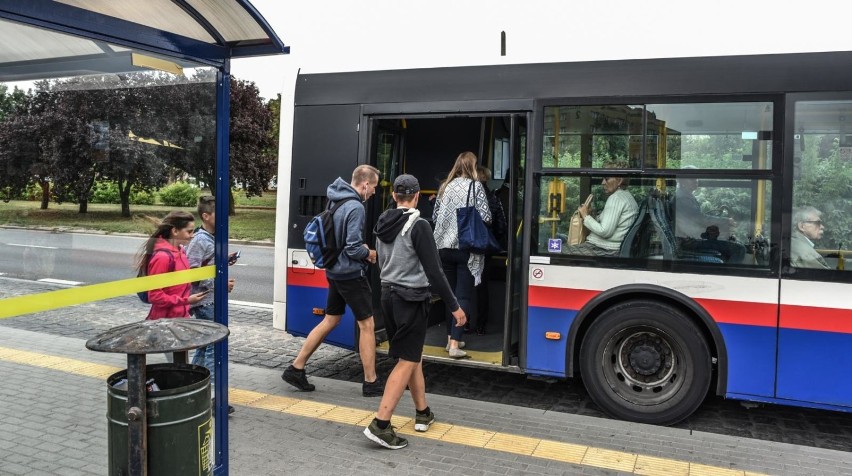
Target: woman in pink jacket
[163, 253]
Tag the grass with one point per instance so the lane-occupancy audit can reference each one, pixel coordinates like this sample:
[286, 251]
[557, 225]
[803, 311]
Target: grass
[266, 200]
[250, 224]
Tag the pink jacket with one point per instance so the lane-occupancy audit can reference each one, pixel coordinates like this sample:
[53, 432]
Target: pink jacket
[172, 301]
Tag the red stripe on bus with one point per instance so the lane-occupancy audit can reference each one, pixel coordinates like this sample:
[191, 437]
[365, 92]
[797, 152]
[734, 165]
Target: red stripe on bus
[729, 312]
[304, 277]
[560, 298]
[816, 319]
[741, 312]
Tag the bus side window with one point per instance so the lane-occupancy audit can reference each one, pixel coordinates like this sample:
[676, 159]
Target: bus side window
[822, 201]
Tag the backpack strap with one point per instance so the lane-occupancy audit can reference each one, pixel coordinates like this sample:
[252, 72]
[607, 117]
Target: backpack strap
[339, 249]
[169, 254]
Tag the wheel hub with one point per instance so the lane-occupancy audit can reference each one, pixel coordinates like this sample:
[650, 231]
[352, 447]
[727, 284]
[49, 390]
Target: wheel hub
[645, 359]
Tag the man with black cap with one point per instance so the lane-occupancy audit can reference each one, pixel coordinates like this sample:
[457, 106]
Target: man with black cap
[409, 264]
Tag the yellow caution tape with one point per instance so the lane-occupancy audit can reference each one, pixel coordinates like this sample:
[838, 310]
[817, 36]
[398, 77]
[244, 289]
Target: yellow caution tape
[18, 305]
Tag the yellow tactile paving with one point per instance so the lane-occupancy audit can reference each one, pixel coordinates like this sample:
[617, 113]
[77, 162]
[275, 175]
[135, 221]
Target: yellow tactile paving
[350, 416]
[617, 460]
[244, 397]
[273, 402]
[307, 408]
[558, 451]
[473, 437]
[652, 465]
[468, 436]
[513, 444]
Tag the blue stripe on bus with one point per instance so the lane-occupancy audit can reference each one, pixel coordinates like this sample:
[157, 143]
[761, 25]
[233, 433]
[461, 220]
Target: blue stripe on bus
[546, 356]
[301, 301]
[813, 366]
[751, 359]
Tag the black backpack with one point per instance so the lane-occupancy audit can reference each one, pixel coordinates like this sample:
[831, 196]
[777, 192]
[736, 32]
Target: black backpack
[321, 239]
[143, 295]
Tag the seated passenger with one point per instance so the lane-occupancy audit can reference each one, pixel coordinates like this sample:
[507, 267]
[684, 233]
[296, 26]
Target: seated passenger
[607, 231]
[698, 232]
[807, 226]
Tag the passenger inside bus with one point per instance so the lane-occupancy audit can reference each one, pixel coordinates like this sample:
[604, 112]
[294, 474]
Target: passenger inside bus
[693, 227]
[607, 231]
[807, 228]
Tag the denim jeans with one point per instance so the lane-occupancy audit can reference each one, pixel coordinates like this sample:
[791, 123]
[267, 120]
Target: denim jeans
[204, 355]
[454, 263]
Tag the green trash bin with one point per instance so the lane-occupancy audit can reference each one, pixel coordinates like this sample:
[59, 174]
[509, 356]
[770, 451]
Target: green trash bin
[180, 426]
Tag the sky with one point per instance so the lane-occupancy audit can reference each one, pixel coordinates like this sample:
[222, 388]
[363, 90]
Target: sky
[338, 35]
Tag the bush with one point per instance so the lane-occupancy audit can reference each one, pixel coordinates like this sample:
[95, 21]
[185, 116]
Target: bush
[179, 194]
[142, 197]
[105, 192]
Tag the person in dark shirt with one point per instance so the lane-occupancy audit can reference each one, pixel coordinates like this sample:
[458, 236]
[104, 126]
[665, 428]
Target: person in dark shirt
[409, 265]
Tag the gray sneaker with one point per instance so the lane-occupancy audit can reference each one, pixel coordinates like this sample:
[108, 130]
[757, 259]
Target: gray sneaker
[423, 422]
[386, 437]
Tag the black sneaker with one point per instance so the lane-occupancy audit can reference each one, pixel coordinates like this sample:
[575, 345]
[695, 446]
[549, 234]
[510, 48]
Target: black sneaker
[298, 379]
[386, 437]
[373, 389]
[231, 409]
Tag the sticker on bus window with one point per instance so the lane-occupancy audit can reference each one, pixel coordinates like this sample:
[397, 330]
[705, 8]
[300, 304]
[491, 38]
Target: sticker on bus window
[554, 245]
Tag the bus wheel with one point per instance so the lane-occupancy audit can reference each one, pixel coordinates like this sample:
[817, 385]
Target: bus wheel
[645, 361]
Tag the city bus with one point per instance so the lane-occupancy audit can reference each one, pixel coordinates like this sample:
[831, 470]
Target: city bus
[759, 145]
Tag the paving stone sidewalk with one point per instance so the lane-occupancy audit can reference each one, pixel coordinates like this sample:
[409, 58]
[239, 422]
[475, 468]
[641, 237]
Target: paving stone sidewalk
[255, 343]
[53, 422]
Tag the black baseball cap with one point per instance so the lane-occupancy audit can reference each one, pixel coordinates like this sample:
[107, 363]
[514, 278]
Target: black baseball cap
[406, 185]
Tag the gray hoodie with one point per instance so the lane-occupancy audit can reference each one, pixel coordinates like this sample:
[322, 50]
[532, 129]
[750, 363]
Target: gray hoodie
[349, 233]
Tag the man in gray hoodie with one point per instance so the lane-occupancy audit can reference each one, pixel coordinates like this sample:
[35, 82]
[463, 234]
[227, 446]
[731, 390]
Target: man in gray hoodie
[347, 281]
[409, 264]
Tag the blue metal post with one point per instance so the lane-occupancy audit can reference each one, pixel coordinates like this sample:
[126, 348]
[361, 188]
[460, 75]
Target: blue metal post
[220, 297]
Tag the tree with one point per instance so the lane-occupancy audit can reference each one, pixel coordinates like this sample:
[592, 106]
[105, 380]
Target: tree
[253, 162]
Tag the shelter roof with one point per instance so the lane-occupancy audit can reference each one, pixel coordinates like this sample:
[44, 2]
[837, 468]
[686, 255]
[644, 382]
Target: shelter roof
[96, 36]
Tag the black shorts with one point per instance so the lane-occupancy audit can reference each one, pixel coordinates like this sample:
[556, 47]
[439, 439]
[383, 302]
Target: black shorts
[354, 292]
[405, 322]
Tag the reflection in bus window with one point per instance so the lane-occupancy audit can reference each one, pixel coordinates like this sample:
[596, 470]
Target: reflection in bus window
[702, 135]
[707, 221]
[822, 172]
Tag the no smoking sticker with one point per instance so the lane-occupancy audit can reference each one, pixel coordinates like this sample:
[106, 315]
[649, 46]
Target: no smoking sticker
[538, 273]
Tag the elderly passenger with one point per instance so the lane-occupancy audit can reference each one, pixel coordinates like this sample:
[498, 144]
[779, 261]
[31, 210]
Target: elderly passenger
[807, 226]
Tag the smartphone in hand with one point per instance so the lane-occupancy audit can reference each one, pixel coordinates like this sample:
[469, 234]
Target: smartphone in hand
[232, 259]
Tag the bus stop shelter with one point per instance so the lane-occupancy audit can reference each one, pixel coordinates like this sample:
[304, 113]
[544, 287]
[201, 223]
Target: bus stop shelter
[46, 39]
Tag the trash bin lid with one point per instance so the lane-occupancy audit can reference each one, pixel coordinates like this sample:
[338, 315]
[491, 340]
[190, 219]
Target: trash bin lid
[161, 335]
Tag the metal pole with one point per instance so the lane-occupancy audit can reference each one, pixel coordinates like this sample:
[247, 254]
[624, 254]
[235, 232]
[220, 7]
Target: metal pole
[180, 357]
[137, 417]
[220, 291]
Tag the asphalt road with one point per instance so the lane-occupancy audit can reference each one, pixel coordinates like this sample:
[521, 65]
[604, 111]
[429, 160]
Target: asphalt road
[91, 258]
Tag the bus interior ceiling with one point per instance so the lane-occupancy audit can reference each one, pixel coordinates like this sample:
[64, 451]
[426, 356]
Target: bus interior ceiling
[429, 148]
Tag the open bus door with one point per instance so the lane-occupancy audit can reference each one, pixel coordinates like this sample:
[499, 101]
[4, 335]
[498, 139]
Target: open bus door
[426, 147]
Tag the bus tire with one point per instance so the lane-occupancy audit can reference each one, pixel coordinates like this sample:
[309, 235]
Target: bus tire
[645, 361]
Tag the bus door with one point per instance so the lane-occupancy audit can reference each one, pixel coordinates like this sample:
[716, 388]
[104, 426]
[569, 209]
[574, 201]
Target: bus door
[325, 146]
[815, 325]
[427, 147]
[387, 143]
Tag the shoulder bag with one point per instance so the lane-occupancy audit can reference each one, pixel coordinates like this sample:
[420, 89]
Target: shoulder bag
[474, 235]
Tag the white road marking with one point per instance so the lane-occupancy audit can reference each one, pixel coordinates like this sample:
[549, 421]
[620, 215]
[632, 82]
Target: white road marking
[33, 246]
[250, 304]
[60, 281]
[239, 264]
